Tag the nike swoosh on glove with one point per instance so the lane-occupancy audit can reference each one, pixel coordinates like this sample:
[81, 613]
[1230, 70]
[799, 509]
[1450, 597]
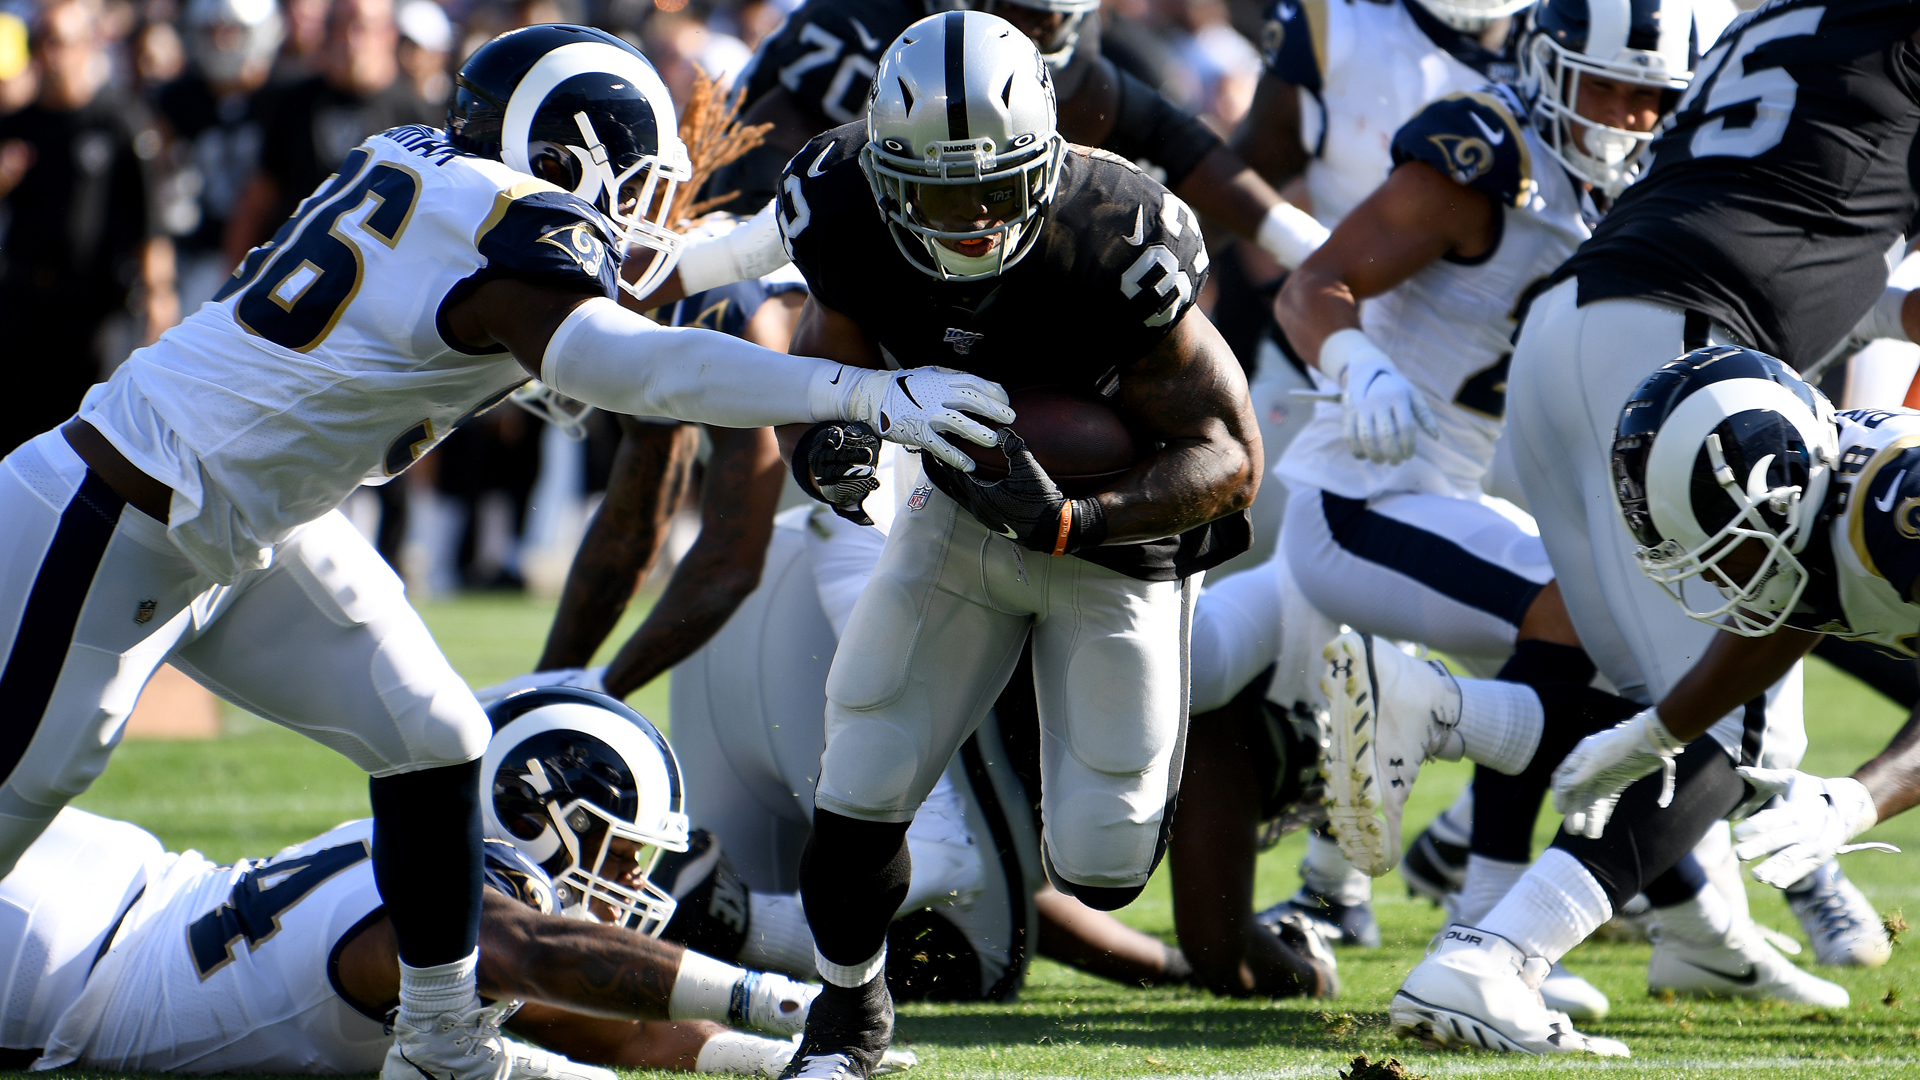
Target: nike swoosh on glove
[1029, 508]
[1380, 408]
[914, 407]
[1588, 783]
[1811, 823]
[834, 463]
[593, 679]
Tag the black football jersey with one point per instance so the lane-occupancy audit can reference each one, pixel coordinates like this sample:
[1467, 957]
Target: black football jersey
[1781, 182]
[825, 55]
[1120, 260]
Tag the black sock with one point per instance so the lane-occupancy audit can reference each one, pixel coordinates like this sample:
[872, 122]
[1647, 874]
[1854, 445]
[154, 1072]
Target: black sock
[1537, 661]
[1505, 807]
[427, 860]
[853, 877]
[1678, 885]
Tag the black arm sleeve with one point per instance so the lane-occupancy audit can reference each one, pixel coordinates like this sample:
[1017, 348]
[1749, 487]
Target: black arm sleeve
[1147, 125]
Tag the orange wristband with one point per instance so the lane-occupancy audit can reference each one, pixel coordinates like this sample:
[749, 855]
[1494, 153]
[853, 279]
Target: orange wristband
[1066, 527]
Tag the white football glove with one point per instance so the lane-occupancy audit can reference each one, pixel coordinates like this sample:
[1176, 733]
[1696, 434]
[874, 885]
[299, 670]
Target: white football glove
[1381, 407]
[593, 679]
[1812, 823]
[1588, 783]
[913, 407]
[774, 1003]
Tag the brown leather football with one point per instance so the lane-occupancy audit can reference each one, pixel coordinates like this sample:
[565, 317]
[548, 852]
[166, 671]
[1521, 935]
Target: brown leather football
[1079, 439]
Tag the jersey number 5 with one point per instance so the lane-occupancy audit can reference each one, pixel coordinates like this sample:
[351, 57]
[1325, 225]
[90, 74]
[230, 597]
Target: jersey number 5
[305, 288]
[1770, 91]
[259, 898]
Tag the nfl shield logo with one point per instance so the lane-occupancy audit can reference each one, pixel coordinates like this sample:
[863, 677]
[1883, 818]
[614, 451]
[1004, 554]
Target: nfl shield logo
[918, 500]
[145, 614]
[962, 341]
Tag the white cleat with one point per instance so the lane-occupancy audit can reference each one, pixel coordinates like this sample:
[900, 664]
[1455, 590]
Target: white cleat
[1480, 992]
[1840, 921]
[1741, 965]
[1565, 992]
[468, 1045]
[1389, 713]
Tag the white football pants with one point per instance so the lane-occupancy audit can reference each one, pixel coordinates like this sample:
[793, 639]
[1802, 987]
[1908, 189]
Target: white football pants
[94, 597]
[1573, 370]
[933, 640]
[1453, 574]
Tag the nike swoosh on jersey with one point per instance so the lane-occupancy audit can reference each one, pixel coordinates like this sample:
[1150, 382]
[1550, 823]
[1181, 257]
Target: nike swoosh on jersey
[1139, 227]
[867, 41]
[1885, 502]
[814, 169]
[1492, 137]
[1748, 978]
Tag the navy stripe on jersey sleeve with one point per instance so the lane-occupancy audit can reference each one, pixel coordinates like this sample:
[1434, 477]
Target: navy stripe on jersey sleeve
[1293, 41]
[1888, 526]
[1473, 139]
[549, 236]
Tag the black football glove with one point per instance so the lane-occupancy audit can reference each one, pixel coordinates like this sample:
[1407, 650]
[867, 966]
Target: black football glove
[1028, 507]
[834, 462]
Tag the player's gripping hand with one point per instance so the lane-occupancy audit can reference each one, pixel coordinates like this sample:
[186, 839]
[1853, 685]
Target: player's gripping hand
[1029, 508]
[1811, 823]
[1380, 407]
[914, 408]
[1587, 785]
[593, 679]
[834, 463]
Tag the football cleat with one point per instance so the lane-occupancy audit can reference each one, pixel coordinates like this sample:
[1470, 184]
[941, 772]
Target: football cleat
[468, 1045]
[1741, 964]
[1434, 868]
[1479, 991]
[1840, 921]
[1308, 937]
[848, 1030]
[1390, 713]
[1565, 992]
[1342, 924]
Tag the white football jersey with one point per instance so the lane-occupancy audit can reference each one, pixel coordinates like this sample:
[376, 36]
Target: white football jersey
[1450, 326]
[1863, 592]
[226, 969]
[321, 364]
[1363, 69]
[66, 894]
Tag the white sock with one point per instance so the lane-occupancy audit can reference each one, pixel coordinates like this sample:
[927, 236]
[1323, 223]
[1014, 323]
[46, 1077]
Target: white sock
[1488, 882]
[778, 937]
[1707, 919]
[1455, 824]
[735, 1052]
[1552, 908]
[429, 991]
[1500, 723]
[703, 989]
[1326, 871]
[851, 976]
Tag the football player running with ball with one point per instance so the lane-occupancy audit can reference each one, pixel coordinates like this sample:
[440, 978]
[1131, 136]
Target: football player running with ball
[188, 513]
[1003, 250]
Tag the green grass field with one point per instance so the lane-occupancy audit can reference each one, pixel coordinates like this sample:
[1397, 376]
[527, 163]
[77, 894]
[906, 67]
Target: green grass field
[260, 788]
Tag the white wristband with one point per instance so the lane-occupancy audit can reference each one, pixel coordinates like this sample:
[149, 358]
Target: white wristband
[751, 249]
[1342, 348]
[1287, 233]
[1658, 736]
[703, 988]
[1883, 320]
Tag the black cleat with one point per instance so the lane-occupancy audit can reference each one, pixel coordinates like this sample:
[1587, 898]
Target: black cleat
[1434, 868]
[848, 1031]
[1346, 924]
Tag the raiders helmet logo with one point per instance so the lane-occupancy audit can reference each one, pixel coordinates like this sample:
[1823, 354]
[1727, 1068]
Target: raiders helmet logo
[578, 241]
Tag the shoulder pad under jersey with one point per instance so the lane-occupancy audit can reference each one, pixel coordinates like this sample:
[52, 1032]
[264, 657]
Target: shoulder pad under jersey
[1477, 139]
[1294, 42]
[823, 178]
[1140, 236]
[539, 233]
[513, 874]
[1882, 512]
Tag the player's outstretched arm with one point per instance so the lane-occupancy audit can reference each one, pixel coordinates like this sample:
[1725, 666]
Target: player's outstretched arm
[1190, 395]
[1268, 138]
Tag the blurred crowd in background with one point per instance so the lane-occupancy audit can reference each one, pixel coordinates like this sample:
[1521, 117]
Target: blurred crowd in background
[145, 145]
